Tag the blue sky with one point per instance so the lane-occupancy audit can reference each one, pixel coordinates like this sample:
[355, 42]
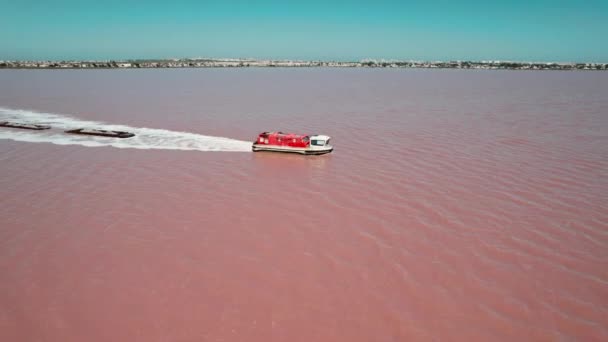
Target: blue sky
[534, 30]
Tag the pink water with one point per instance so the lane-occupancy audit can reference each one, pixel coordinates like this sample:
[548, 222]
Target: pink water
[457, 205]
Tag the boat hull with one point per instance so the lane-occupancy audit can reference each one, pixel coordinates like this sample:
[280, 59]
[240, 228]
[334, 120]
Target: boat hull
[24, 126]
[101, 133]
[287, 149]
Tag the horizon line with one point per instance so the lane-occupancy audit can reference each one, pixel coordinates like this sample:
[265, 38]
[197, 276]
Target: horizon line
[252, 59]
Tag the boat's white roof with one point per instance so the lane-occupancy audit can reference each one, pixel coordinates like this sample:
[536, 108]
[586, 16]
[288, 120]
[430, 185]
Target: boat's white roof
[320, 137]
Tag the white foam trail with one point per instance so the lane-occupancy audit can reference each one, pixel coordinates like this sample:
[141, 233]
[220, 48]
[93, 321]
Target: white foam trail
[145, 138]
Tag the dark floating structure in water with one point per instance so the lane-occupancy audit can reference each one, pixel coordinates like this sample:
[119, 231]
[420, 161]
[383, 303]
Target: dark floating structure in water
[23, 125]
[83, 131]
[101, 133]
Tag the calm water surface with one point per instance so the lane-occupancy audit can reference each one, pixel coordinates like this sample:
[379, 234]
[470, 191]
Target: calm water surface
[457, 205]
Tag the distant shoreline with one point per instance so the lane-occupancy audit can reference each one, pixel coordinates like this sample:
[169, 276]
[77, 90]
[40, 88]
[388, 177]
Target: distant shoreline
[245, 63]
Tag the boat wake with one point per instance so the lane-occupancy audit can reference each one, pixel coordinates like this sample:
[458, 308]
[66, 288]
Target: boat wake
[145, 138]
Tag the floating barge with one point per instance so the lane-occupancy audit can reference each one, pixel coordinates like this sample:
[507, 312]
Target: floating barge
[292, 143]
[24, 125]
[101, 133]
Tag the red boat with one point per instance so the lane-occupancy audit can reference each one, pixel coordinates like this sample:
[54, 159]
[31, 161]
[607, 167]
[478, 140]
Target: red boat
[293, 143]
